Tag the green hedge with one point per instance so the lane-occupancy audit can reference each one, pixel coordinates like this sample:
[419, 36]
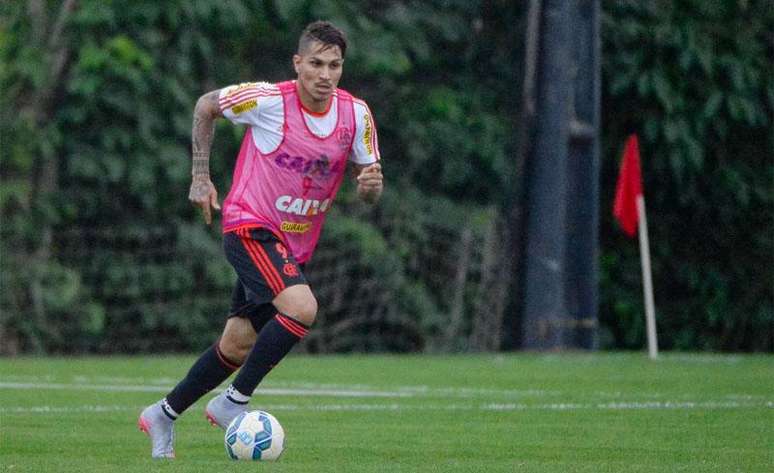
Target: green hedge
[102, 252]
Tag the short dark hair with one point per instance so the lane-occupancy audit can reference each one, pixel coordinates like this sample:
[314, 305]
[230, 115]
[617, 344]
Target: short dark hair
[325, 33]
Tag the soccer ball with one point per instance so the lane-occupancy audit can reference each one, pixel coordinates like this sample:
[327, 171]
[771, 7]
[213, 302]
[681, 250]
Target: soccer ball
[255, 435]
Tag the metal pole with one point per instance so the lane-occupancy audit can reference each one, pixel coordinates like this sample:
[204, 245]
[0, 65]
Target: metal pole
[544, 313]
[647, 280]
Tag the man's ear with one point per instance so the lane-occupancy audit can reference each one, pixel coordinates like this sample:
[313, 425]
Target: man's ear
[296, 62]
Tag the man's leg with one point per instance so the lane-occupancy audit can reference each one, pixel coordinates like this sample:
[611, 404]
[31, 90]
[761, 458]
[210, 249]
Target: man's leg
[212, 368]
[237, 341]
[297, 309]
[275, 340]
[157, 420]
[266, 267]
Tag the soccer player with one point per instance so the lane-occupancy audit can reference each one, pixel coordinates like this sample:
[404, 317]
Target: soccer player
[301, 134]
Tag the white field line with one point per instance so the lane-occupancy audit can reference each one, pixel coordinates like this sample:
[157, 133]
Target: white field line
[161, 384]
[699, 358]
[280, 388]
[164, 385]
[164, 389]
[729, 402]
[396, 407]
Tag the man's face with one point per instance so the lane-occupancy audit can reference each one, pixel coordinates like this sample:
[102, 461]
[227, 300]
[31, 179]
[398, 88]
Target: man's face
[319, 70]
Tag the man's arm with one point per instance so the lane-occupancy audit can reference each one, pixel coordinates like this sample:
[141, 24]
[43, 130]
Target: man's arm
[370, 182]
[365, 149]
[203, 193]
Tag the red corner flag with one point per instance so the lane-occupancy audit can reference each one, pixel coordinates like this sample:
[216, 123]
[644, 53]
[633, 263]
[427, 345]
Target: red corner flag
[628, 188]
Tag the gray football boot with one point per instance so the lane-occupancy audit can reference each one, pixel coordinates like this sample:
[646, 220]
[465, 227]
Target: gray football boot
[220, 411]
[160, 429]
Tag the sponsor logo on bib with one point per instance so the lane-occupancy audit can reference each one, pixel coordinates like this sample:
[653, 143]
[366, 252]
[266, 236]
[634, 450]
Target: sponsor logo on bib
[295, 227]
[301, 206]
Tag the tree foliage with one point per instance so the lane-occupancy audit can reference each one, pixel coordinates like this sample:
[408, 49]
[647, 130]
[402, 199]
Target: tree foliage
[696, 80]
[102, 252]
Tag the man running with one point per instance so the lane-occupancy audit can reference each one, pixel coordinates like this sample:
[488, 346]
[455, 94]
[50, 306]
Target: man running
[301, 134]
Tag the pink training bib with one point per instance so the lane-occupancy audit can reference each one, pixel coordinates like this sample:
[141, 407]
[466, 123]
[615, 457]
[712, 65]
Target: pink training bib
[290, 189]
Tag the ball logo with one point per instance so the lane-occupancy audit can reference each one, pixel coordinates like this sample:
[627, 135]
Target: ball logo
[245, 437]
[290, 270]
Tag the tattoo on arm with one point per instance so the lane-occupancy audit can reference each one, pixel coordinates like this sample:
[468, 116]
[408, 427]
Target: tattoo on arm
[203, 131]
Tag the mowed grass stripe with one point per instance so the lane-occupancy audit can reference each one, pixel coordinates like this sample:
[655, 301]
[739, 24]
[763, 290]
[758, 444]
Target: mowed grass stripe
[483, 413]
[163, 389]
[749, 401]
[711, 405]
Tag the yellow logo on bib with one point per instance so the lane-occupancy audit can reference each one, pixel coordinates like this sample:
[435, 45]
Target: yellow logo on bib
[295, 227]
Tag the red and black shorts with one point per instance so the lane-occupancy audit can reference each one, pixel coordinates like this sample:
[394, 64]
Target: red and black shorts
[264, 267]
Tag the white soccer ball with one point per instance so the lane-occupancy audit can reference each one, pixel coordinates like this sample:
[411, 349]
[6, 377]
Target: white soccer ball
[255, 435]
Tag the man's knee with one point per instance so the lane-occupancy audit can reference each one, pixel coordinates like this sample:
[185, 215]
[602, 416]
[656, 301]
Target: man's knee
[299, 303]
[235, 350]
[237, 340]
[306, 311]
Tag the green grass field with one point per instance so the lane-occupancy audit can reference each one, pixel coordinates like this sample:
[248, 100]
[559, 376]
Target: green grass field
[488, 413]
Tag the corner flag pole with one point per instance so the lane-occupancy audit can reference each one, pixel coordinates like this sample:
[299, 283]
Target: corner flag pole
[647, 280]
[629, 210]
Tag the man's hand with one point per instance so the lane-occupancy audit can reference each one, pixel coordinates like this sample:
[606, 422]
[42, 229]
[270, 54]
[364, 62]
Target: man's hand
[204, 195]
[370, 183]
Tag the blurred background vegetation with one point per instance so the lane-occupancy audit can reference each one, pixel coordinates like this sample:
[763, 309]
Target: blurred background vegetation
[101, 251]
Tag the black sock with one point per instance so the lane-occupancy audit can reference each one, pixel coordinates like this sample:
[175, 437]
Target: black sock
[276, 339]
[211, 369]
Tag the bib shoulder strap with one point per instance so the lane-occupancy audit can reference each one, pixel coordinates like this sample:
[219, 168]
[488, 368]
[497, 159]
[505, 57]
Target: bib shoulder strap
[287, 87]
[344, 95]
